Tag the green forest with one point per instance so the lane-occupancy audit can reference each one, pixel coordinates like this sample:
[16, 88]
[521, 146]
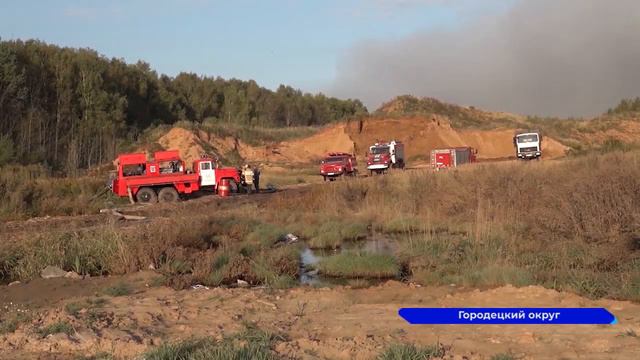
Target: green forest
[71, 109]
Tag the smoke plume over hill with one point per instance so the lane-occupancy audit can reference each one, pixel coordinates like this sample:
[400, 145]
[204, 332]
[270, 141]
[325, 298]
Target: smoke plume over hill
[547, 57]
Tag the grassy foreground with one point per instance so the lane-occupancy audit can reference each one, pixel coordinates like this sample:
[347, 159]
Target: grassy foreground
[568, 225]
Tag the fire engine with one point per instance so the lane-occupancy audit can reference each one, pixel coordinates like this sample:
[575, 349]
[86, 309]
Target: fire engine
[384, 155]
[165, 178]
[452, 157]
[337, 164]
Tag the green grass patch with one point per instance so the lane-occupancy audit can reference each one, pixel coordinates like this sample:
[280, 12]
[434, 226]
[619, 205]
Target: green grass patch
[10, 322]
[98, 356]
[332, 234]
[360, 265]
[503, 356]
[266, 234]
[74, 308]
[119, 289]
[251, 343]
[411, 352]
[405, 224]
[60, 327]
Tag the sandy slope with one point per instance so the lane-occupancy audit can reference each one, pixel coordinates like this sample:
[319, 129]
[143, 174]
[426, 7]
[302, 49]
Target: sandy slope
[323, 323]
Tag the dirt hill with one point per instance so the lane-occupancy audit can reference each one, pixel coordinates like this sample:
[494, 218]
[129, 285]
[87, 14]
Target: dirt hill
[459, 116]
[423, 124]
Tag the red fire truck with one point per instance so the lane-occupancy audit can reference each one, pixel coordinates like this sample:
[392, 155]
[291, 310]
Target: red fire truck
[338, 164]
[385, 155]
[452, 157]
[165, 178]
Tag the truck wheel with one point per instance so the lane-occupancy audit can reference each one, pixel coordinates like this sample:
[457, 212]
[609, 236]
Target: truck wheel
[168, 194]
[146, 196]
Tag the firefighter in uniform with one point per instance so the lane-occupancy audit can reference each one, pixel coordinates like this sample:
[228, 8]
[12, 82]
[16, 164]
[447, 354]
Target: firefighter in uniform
[248, 174]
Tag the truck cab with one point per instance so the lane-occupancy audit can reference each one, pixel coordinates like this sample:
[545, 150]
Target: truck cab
[335, 165]
[528, 145]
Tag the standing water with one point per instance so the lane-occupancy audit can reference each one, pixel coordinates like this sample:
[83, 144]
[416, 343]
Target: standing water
[309, 259]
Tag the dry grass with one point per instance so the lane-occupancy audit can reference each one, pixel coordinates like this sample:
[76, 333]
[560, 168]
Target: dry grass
[29, 191]
[568, 225]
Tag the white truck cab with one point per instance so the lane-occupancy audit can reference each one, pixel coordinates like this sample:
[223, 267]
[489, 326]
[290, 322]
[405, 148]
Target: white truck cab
[528, 145]
[207, 173]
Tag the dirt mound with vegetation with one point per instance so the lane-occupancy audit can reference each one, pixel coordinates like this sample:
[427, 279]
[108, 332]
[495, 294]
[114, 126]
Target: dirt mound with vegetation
[460, 116]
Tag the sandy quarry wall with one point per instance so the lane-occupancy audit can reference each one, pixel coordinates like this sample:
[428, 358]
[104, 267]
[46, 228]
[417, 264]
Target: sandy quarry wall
[420, 135]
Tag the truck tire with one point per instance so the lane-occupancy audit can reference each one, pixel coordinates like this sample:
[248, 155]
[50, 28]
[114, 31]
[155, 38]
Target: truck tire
[146, 195]
[168, 194]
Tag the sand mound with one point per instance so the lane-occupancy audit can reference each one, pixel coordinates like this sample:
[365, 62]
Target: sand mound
[316, 146]
[185, 141]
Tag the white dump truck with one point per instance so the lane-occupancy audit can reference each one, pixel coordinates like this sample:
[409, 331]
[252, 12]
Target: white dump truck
[528, 145]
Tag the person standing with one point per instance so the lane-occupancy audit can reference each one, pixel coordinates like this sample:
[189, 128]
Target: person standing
[247, 172]
[256, 178]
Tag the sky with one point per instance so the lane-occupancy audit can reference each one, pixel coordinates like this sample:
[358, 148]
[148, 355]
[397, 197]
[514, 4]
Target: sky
[273, 42]
[512, 55]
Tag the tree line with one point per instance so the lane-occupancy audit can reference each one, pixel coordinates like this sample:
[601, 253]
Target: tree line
[74, 108]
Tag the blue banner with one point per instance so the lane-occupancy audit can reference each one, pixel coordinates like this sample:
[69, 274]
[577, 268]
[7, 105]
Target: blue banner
[534, 316]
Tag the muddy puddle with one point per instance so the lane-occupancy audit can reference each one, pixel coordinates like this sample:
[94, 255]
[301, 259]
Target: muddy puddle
[309, 258]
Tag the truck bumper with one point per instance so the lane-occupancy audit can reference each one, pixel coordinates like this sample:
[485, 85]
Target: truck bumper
[332, 174]
[377, 167]
[529, 155]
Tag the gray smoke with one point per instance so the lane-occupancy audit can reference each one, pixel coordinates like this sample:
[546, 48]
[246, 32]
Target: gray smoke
[545, 57]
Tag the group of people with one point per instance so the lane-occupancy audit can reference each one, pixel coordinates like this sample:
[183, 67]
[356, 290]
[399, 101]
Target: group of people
[250, 179]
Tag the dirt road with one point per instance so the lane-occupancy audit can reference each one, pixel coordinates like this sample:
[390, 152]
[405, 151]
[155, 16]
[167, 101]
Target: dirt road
[340, 323]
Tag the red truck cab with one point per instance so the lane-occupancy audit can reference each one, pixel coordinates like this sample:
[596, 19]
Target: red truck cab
[164, 178]
[338, 164]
